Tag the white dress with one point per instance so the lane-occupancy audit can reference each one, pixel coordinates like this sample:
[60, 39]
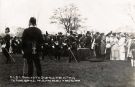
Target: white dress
[108, 42]
[115, 55]
[108, 47]
[122, 48]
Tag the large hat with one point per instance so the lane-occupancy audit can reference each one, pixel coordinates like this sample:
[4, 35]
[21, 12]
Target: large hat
[122, 35]
[132, 36]
[111, 35]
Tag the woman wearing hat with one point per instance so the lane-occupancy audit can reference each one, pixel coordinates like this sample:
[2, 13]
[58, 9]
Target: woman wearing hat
[122, 44]
[115, 49]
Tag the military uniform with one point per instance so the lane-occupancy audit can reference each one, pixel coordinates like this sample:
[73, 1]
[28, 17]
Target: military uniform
[31, 43]
[58, 47]
[73, 46]
[14, 45]
[5, 49]
[47, 47]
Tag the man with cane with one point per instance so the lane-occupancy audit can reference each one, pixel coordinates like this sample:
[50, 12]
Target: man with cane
[32, 40]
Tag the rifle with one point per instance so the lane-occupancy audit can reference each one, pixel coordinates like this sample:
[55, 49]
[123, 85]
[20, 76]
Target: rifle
[10, 55]
[72, 53]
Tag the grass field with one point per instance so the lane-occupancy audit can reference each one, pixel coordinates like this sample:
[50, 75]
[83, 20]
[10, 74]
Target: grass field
[90, 74]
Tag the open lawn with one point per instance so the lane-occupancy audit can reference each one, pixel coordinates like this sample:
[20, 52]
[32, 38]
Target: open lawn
[90, 74]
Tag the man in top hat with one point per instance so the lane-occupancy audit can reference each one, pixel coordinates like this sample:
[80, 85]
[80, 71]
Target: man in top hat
[32, 40]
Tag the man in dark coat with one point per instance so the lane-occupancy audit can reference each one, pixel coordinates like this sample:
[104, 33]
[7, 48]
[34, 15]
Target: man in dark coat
[6, 42]
[32, 40]
[98, 43]
[72, 47]
[58, 46]
[57, 49]
[14, 45]
[47, 47]
[88, 40]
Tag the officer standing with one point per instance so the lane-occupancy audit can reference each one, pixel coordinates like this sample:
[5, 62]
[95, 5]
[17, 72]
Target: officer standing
[58, 46]
[72, 47]
[14, 45]
[32, 40]
[6, 45]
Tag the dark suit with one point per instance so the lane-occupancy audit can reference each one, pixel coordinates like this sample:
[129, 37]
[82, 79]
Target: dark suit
[88, 42]
[6, 49]
[73, 46]
[32, 35]
[97, 47]
[58, 51]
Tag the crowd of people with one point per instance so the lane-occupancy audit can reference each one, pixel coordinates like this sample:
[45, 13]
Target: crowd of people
[113, 46]
[32, 44]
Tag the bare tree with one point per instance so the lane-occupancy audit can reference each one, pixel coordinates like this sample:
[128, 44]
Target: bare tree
[67, 16]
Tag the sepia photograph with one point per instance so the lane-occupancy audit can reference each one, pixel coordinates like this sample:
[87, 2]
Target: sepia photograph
[67, 43]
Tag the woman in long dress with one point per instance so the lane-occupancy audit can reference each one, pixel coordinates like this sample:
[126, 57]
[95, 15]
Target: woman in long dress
[122, 47]
[115, 55]
[128, 44]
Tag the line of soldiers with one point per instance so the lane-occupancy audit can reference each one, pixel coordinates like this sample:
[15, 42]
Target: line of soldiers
[61, 44]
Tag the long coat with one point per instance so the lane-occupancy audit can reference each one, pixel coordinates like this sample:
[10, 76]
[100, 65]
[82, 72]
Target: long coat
[30, 35]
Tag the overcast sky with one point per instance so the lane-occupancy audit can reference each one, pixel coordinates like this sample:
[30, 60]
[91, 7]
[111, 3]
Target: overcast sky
[102, 15]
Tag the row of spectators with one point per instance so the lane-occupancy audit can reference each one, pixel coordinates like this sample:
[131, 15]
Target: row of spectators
[113, 46]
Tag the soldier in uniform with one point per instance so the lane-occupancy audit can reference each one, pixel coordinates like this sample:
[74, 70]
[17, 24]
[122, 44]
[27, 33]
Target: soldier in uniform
[6, 45]
[58, 46]
[72, 46]
[47, 47]
[32, 41]
[88, 40]
[14, 45]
